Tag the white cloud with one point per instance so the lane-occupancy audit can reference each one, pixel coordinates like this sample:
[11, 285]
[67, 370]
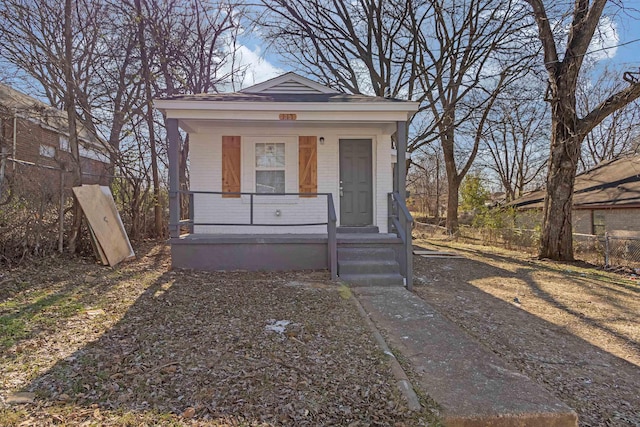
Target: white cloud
[256, 67]
[605, 40]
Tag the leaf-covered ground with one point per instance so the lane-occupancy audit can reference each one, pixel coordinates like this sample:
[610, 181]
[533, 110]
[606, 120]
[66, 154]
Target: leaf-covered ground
[140, 344]
[571, 327]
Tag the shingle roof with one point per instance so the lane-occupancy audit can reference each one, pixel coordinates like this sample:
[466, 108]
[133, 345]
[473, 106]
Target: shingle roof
[614, 183]
[280, 97]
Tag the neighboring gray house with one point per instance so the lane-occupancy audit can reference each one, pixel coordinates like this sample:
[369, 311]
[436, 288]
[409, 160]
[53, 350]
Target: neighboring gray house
[290, 174]
[606, 198]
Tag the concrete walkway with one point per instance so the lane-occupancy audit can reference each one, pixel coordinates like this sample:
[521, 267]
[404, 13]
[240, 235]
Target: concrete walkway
[473, 386]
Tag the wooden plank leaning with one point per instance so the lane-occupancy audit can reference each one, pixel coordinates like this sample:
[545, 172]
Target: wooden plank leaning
[99, 208]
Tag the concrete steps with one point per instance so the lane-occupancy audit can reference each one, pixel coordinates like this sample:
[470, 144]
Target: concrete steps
[371, 263]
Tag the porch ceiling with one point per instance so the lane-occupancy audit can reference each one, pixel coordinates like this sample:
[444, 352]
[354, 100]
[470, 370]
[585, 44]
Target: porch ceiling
[204, 125]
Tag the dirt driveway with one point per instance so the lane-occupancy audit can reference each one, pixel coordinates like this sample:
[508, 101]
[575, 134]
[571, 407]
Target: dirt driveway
[574, 329]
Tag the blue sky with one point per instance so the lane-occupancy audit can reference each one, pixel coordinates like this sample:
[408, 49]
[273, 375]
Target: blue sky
[621, 48]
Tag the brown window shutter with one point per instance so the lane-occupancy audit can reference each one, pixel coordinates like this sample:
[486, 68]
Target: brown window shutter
[308, 164]
[231, 166]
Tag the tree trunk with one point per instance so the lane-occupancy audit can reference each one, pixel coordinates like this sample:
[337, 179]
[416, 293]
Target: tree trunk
[70, 106]
[146, 73]
[453, 178]
[452, 206]
[556, 241]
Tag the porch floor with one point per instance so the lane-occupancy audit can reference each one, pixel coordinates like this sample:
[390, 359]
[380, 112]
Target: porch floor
[202, 238]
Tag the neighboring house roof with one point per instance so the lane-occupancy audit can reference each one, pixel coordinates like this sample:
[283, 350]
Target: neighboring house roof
[611, 184]
[286, 97]
[45, 115]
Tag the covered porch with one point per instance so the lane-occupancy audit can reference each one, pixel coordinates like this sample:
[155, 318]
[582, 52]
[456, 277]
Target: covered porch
[295, 181]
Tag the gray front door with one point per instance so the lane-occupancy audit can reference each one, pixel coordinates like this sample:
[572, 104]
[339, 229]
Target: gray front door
[356, 181]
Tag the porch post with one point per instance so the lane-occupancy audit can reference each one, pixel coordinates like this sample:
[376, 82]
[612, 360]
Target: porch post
[174, 178]
[401, 165]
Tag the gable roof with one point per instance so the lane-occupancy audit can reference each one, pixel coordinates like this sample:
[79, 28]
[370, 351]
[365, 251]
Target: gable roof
[289, 83]
[610, 184]
[287, 88]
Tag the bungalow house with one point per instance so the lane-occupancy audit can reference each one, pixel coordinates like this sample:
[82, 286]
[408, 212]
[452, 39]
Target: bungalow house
[34, 144]
[606, 199]
[290, 174]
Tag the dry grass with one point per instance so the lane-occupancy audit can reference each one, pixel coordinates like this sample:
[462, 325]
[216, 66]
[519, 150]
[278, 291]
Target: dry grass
[572, 327]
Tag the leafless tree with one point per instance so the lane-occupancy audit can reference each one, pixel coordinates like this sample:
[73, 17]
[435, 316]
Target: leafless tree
[192, 46]
[618, 134]
[568, 128]
[454, 57]
[468, 53]
[516, 139]
[426, 181]
[351, 46]
[124, 53]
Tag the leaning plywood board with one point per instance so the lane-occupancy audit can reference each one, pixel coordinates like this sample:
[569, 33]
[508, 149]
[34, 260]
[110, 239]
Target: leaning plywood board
[107, 192]
[103, 218]
[97, 248]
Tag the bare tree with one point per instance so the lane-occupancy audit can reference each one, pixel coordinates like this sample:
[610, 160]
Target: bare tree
[568, 129]
[188, 49]
[516, 138]
[116, 70]
[90, 76]
[453, 57]
[618, 133]
[148, 115]
[427, 180]
[352, 46]
[468, 53]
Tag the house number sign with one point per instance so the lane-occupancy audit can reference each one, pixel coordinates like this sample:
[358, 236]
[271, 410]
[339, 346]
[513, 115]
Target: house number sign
[288, 116]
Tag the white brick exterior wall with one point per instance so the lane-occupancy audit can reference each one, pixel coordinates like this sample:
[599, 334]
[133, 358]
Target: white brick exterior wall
[206, 175]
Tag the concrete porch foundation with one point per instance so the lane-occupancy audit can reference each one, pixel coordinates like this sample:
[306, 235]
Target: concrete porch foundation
[210, 252]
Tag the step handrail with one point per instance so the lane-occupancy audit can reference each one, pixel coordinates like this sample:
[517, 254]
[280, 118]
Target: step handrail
[402, 222]
[332, 241]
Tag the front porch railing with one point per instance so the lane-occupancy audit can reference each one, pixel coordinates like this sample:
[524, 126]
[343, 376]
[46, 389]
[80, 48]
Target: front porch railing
[401, 223]
[332, 246]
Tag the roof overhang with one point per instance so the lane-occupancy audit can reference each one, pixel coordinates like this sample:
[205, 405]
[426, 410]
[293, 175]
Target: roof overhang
[301, 112]
[198, 109]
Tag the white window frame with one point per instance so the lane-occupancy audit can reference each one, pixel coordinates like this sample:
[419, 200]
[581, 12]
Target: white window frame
[47, 151]
[249, 169]
[257, 168]
[64, 143]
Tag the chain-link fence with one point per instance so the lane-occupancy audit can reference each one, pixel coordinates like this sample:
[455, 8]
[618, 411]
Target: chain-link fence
[613, 250]
[622, 250]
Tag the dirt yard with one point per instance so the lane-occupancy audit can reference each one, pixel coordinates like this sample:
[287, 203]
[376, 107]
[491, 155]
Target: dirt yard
[142, 345]
[573, 328]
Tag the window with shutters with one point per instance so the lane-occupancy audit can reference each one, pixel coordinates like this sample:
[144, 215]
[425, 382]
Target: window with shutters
[307, 165]
[270, 167]
[231, 152]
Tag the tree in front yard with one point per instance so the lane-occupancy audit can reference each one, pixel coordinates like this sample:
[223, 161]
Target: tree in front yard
[563, 60]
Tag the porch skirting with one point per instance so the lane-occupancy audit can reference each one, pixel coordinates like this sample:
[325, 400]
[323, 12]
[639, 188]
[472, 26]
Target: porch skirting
[250, 252]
